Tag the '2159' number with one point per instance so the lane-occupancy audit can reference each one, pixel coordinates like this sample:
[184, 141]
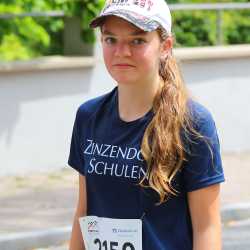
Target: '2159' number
[113, 245]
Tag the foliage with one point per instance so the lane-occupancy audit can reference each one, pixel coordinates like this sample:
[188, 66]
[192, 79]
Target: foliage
[194, 29]
[198, 28]
[21, 38]
[84, 9]
[237, 27]
[28, 41]
[25, 38]
[31, 37]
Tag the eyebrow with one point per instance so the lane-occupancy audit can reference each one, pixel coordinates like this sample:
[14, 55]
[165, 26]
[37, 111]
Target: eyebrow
[136, 33]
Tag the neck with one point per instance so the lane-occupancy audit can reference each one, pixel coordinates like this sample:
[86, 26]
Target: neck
[136, 100]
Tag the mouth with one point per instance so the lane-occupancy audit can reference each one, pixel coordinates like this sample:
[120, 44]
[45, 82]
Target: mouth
[123, 65]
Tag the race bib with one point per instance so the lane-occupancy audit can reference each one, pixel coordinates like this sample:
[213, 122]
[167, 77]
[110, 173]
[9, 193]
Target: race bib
[111, 234]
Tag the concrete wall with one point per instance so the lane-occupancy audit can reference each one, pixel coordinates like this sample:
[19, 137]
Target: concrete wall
[37, 108]
[223, 85]
[38, 101]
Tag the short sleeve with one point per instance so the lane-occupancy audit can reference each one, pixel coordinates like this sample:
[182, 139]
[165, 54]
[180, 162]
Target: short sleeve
[76, 159]
[203, 166]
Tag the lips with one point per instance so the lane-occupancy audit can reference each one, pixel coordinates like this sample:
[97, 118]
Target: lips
[123, 65]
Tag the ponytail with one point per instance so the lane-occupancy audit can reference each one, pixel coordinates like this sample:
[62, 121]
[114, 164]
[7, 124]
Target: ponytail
[162, 147]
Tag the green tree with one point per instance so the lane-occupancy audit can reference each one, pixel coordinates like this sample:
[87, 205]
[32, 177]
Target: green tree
[32, 37]
[198, 28]
[20, 38]
[25, 38]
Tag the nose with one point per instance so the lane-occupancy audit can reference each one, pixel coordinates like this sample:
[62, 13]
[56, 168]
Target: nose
[122, 50]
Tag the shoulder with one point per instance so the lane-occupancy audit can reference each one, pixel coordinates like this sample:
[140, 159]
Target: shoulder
[201, 118]
[90, 107]
[202, 166]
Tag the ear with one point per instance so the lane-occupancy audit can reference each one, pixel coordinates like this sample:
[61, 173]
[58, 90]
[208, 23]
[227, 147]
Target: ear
[166, 47]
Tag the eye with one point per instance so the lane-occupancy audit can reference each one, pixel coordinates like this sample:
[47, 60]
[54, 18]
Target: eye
[109, 40]
[138, 41]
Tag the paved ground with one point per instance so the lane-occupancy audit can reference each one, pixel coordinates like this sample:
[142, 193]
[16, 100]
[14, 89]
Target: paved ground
[44, 201]
[237, 171]
[37, 201]
[234, 238]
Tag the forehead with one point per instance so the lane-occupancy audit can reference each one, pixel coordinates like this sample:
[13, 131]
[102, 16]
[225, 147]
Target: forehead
[117, 25]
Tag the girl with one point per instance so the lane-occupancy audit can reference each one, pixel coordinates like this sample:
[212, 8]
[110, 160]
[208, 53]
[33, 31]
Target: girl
[147, 154]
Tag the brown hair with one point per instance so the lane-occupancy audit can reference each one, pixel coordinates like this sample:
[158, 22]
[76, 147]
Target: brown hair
[162, 146]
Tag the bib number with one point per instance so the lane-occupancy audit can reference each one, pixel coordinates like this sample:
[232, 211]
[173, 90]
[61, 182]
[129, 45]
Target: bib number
[112, 245]
[111, 234]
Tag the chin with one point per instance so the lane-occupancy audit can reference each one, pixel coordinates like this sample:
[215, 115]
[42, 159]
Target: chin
[125, 80]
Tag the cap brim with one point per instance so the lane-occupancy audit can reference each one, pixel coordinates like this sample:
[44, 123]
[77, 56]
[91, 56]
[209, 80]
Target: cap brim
[139, 21]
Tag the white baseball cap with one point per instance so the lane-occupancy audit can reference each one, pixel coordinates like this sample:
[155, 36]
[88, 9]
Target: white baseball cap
[147, 15]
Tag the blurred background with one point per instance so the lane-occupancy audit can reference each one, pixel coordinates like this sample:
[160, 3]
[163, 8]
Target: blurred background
[32, 28]
[51, 62]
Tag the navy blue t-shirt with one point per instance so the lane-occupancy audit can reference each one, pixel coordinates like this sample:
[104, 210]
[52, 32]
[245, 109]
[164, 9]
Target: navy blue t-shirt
[106, 150]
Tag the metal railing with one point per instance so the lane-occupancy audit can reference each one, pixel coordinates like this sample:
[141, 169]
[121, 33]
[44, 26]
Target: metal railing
[209, 6]
[33, 14]
[218, 7]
